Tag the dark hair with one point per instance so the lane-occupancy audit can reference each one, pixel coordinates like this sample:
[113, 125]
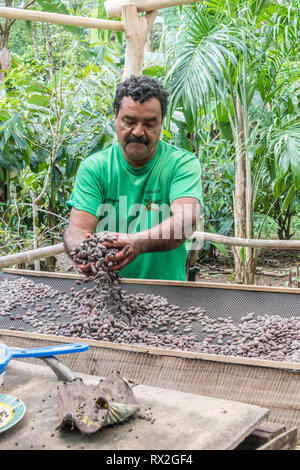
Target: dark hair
[141, 88]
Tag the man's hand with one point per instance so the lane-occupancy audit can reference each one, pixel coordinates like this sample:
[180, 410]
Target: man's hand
[128, 251]
[81, 226]
[88, 269]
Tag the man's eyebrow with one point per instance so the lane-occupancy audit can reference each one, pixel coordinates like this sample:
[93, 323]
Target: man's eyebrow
[133, 118]
[154, 118]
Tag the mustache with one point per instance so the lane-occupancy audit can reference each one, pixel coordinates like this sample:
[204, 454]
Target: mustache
[137, 140]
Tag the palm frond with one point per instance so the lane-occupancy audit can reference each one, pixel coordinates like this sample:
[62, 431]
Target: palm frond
[205, 51]
[283, 139]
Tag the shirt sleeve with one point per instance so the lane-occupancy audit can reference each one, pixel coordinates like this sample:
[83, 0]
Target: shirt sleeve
[186, 179]
[87, 194]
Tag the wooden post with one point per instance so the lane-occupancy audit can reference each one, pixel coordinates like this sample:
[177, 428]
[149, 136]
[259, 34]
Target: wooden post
[137, 29]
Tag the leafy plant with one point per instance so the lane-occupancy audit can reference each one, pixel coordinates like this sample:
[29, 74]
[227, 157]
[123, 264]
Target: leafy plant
[48, 127]
[238, 61]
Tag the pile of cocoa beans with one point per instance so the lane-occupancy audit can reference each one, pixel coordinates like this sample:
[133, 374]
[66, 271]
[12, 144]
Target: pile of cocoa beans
[99, 308]
[91, 250]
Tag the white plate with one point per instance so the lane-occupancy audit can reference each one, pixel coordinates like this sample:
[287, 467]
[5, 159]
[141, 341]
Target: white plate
[12, 409]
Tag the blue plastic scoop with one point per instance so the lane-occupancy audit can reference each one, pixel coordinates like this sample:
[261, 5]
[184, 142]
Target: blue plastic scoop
[7, 353]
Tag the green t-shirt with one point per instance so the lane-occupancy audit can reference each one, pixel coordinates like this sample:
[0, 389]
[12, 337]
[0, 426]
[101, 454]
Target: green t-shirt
[130, 200]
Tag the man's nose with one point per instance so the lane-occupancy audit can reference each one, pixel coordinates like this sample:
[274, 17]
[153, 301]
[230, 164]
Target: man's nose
[138, 130]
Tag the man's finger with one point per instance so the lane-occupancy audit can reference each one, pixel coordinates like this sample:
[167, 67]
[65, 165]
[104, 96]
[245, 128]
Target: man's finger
[122, 254]
[115, 244]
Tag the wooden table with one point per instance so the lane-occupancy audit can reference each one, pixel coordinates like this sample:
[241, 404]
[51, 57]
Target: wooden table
[174, 420]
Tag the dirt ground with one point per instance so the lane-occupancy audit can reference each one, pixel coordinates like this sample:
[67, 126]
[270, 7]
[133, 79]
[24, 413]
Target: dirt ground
[275, 268]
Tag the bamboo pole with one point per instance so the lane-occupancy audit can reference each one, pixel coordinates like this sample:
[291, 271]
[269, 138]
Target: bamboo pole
[113, 8]
[57, 18]
[31, 255]
[247, 242]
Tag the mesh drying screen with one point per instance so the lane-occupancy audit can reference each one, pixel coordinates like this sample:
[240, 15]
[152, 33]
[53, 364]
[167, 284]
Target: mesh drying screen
[218, 303]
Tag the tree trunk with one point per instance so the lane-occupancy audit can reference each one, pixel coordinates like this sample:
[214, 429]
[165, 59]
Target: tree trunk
[243, 203]
[50, 51]
[239, 194]
[51, 261]
[35, 44]
[5, 35]
[5, 59]
[35, 224]
[6, 27]
[149, 42]
[284, 222]
[8, 194]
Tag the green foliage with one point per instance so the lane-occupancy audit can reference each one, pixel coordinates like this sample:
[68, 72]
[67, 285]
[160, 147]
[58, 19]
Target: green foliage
[58, 6]
[224, 51]
[55, 120]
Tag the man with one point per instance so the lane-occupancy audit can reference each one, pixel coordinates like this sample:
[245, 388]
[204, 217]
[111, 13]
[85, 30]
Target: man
[144, 190]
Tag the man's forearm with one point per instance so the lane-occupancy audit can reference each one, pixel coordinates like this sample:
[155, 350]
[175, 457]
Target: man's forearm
[72, 238]
[168, 235]
[80, 224]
